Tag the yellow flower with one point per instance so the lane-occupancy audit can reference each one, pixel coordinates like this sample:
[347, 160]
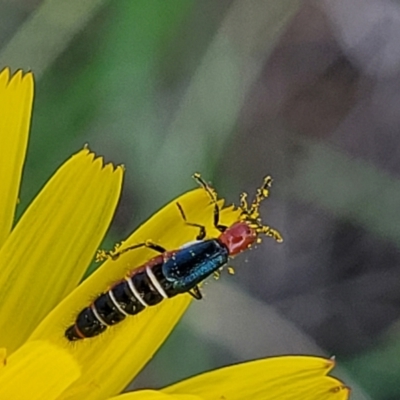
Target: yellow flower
[44, 257]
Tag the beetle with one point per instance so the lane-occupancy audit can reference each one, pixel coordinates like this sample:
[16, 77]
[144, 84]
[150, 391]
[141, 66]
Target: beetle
[174, 272]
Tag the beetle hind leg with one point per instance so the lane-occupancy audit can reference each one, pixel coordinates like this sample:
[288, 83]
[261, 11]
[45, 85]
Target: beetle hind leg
[195, 293]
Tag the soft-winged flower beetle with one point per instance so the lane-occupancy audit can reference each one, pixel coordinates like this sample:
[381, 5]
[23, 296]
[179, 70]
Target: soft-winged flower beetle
[173, 272]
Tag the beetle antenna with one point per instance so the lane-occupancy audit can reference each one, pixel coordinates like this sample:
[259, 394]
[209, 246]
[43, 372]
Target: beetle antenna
[251, 213]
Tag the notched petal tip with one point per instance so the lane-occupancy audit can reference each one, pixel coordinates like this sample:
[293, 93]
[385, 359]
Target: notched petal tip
[85, 152]
[9, 79]
[5, 73]
[17, 76]
[99, 159]
[28, 78]
[110, 167]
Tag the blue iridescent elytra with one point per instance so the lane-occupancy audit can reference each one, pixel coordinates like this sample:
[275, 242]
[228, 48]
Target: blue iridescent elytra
[173, 272]
[194, 263]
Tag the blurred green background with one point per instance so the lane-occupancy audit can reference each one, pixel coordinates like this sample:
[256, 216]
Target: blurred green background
[306, 91]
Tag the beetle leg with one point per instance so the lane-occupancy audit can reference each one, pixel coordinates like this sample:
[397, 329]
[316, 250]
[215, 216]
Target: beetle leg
[210, 191]
[202, 229]
[195, 293]
[116, 253]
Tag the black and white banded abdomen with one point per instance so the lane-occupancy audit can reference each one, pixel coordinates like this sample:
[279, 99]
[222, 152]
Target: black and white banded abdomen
[162, 277]
[146, 287]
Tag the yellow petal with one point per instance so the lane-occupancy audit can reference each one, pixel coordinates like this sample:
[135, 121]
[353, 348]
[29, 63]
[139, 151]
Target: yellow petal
[47, 253]
[38, 370]
[16, 96]
[3, 357]
[153, 395]
[111, 360]
[283, 378]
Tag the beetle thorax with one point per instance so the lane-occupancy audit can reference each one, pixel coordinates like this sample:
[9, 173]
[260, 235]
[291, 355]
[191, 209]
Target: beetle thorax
[238, 237]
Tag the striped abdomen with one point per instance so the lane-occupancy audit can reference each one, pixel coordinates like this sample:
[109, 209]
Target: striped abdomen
[146, 287]
[164, 276]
